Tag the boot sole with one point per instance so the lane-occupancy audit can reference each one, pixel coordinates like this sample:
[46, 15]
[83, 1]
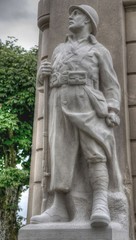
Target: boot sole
[48, 219]
[100, 221]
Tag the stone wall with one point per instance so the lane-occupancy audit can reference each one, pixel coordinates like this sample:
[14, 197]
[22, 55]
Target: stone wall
[131, 81]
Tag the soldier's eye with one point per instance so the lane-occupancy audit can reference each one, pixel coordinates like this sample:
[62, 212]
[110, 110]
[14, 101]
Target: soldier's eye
[75, 12]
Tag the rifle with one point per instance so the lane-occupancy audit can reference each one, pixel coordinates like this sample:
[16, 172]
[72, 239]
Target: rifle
[45, 163]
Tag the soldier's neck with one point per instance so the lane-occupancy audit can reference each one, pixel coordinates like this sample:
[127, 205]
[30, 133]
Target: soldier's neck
[78, 35]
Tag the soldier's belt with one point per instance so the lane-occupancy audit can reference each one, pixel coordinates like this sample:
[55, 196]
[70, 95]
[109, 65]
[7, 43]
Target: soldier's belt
[70, 78]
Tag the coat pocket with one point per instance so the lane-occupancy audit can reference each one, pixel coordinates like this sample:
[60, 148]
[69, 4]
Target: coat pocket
[98, 101]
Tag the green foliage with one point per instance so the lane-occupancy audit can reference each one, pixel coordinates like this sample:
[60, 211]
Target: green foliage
[13, 177]
[17, 90]
[8, 121]
[17, 97]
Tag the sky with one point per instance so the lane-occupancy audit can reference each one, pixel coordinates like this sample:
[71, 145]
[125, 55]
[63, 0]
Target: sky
[23, 204]
[18, 18]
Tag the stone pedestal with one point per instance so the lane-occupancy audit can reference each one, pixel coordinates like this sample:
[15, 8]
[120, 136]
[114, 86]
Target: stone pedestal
[71, 231]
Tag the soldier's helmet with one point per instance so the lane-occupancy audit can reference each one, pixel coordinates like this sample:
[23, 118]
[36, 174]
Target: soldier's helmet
[90, 12]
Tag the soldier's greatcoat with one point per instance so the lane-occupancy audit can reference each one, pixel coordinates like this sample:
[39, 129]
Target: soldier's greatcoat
[83, 87]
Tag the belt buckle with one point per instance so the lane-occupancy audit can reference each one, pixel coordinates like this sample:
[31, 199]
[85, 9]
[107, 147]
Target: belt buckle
[64, 79]
[55, 80]
[77, 78]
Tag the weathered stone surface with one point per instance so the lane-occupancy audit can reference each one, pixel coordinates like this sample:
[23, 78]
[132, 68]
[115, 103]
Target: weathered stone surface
[132, 116]
[131, 56]
[45, 45]
[40, 106]
[133, 157]
[39, 138]
[29, 213]
[132, 89]
[37, 197]
[129, 2]
[38, 166]
[130, 24]
[43, 8]
[71, 232]
[134, 193]
[43, 14]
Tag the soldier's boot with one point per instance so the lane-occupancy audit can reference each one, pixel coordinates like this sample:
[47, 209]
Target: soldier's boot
[56, 213]
[99, 180]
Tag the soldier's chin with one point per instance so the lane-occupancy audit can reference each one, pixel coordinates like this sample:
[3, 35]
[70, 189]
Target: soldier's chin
[71, 28]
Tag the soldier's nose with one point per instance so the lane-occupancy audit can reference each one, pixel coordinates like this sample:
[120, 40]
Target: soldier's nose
[70, 18]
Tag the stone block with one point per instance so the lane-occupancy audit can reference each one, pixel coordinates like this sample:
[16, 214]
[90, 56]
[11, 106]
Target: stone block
[39, 138]
[38, 166]
[45, 39]
[134, 193]
[132, 89]
[40, 106]
[130, 24]
[133, 157]
[131, 57]
[132, 117]
[43, 8]
[37, 199]
[129, 2]
[70, 231]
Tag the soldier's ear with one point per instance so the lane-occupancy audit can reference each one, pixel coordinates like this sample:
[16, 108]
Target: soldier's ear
[87, 20]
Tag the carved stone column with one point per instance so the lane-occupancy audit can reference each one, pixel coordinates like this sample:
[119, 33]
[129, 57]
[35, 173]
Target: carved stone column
[131, 72]
[35, 196]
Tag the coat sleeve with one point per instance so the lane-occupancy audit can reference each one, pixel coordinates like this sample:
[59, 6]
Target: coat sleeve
[108, 80]
[40, 81]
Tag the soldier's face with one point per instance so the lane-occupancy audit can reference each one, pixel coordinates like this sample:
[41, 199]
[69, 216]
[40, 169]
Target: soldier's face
[76, 20]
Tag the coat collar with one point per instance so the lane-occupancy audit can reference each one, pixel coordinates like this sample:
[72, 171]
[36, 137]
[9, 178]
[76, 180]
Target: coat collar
[91, 38]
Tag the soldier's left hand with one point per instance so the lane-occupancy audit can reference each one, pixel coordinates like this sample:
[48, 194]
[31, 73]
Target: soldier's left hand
[112, 119]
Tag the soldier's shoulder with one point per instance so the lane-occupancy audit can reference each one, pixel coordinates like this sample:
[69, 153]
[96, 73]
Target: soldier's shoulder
[59, 47]
[101, 48]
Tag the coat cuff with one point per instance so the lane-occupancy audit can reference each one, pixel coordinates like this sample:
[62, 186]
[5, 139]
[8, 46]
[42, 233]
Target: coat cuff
[113, 105]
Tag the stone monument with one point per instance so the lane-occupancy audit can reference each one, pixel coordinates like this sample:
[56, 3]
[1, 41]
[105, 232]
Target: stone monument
[82, 189]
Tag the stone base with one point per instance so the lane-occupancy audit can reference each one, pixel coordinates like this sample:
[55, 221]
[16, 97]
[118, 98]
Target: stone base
[71, 231]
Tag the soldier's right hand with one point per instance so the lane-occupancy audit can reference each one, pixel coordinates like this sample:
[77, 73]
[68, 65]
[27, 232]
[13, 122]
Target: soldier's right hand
[44, 71]
[46, 68]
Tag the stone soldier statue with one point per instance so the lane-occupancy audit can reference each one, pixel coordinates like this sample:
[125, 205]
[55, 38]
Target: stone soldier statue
[84, 103]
